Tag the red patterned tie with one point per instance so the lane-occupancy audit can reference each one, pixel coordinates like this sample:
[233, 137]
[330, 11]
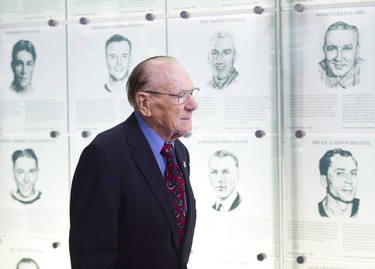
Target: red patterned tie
[176, 187]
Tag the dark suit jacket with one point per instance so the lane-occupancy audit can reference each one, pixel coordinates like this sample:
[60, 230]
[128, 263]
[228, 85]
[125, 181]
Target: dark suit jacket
[121, 215]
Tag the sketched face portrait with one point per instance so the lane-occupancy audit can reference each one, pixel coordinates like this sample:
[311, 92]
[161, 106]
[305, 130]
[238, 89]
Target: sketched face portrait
[26, 175]
[23, 68]
[221, 57]
[341, 180]
[22, 64]
[341, 51]
[224, 176]
[118, 60]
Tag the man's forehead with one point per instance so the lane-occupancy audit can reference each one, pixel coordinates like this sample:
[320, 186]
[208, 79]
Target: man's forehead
[23, 53]
[341, 36]
[24, 160]
[174, 77]
[227, 160]
[118, 45]
[344, 162]
[223, 42]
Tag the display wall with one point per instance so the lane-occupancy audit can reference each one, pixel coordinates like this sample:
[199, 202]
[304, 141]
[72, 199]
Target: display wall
[301, 86]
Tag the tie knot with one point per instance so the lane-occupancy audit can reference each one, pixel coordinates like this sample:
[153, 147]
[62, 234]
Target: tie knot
[167, 150]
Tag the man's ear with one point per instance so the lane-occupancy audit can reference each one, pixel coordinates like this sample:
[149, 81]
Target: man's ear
[323, 181]
[357, 51]
[143, 104]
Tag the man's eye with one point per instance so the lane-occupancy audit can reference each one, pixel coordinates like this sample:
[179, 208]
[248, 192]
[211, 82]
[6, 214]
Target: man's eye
[184, 94]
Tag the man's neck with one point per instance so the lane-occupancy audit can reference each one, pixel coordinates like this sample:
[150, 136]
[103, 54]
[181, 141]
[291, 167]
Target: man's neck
[337, 208]
[20, 90]
[117, 86]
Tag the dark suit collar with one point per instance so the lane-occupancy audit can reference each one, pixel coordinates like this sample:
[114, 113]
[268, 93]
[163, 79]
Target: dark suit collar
[147, 164]
[236, 202]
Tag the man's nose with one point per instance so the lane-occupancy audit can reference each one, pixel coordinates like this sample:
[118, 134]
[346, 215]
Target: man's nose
[219, 178]
[191, 104]
[349, 179]
[220, 58]
[23, 69]
[339, 55]
[26, 179]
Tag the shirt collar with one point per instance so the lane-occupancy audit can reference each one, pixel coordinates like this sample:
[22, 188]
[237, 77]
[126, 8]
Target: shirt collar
[154, 140]
[227, 203]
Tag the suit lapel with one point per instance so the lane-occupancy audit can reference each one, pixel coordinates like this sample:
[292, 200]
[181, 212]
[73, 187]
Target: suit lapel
[144, 158]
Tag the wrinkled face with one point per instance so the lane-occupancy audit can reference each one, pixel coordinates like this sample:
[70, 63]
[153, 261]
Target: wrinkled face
[221, 57]
[341, 180]
[169, 118]
[25, 174]
[28, 265]
[341, 51]
[23, 67]
[223, 175]
[118, 60]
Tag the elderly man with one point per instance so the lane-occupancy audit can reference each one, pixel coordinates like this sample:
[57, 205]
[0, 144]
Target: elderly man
[132, 205]
[118, 56]
[23, 61]
[221, 58]
[338, 174]
[341, 65]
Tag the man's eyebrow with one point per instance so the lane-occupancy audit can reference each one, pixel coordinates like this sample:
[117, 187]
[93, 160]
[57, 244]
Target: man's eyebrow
[339, 168]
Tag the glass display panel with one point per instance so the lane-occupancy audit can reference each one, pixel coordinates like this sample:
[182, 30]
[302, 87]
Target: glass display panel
[98, 73]
[22, 11]
[328, 199]
[33, 82]
[96, 9]
[34, 190]
[237, 200]
[329, 85]
[327, 3]
[176, 6]
[237, 83]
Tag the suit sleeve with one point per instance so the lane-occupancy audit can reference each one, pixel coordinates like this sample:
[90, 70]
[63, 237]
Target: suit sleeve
[94, 207]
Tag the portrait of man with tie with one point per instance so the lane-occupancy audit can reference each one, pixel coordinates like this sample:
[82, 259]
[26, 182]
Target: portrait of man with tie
[132, 205]
[224, 175]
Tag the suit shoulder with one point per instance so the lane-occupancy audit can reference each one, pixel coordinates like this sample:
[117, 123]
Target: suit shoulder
[111, 134]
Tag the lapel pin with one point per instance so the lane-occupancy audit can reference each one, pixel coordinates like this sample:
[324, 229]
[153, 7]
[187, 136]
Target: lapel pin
[184, 163]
